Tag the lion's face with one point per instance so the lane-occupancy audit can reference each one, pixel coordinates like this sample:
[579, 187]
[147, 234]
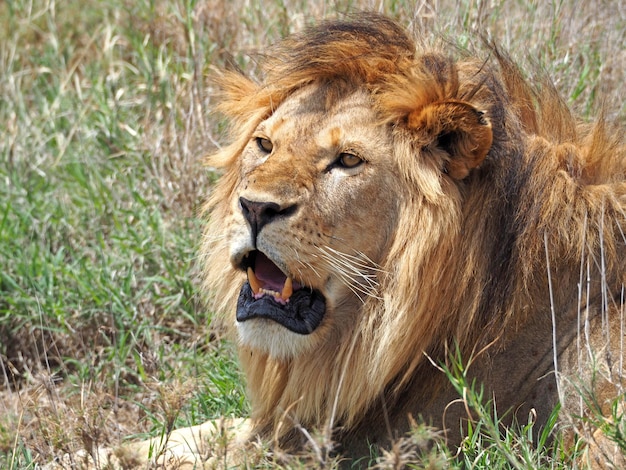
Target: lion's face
[340, 184]
[311, 217]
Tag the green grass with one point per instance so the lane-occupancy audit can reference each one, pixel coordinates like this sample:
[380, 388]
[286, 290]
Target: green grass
[102, 177]
[105, 114]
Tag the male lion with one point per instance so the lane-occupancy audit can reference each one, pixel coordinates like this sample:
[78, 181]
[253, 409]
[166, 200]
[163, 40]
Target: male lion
[382, 205]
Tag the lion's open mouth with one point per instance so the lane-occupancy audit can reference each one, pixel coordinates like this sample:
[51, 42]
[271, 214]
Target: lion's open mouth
[270, 294]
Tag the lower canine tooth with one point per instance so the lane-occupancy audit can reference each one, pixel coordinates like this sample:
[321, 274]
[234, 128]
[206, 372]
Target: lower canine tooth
[255, 285]
[287, 289]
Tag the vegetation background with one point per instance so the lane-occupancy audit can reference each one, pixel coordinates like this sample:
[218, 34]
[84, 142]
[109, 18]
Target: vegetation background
[105, 115]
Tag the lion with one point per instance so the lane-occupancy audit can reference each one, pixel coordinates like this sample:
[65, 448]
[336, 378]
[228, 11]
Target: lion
[383, 204]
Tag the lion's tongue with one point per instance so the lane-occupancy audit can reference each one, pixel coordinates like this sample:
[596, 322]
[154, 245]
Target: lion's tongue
[267, 278]
[268, 273]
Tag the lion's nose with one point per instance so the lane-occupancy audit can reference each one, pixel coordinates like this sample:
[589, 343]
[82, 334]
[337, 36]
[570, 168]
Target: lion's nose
[260, 213]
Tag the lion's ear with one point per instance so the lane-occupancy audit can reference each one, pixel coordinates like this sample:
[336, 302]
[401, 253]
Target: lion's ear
[239, 96]
[457, 128]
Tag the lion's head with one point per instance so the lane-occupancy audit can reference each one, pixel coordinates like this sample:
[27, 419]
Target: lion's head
[372, 212]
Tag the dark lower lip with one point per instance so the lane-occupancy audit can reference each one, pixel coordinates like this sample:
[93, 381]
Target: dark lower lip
[302, 314]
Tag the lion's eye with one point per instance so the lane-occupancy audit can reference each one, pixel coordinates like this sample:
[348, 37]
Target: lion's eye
[265, 145]
[348, 160]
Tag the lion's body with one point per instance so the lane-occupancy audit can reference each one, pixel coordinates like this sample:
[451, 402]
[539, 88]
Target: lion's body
[480, 212]
[419, 205]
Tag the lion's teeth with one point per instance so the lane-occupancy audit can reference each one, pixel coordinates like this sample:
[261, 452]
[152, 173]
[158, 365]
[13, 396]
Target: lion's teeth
[257, 288]
[287, 289]
[255, 285]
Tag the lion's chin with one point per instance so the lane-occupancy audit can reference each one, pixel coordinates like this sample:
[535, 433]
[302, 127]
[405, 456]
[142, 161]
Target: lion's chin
[273, 339]
[301, 314]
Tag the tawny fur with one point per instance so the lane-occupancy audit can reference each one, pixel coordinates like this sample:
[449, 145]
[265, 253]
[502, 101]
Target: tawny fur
[493, 179]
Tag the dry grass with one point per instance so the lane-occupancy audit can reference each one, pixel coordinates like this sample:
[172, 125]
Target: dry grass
[105, 113]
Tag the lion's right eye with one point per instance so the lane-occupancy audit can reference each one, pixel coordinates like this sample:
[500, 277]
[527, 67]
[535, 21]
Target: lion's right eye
[349, 160]
[265, 145]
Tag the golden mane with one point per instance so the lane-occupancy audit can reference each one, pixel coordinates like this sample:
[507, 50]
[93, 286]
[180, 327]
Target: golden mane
[467, 265]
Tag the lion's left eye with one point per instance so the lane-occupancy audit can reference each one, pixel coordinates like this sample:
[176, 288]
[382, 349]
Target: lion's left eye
[348, 160]
[265, 145]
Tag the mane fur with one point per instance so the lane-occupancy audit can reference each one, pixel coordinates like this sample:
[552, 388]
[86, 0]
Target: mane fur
[467, 265]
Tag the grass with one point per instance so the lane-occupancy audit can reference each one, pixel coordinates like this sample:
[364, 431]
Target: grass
[105, 113]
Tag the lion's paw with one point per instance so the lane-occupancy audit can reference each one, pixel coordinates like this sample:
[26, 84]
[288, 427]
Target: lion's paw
[205, 446]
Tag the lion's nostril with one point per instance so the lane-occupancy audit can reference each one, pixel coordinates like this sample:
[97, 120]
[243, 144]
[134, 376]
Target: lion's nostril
[260, 213]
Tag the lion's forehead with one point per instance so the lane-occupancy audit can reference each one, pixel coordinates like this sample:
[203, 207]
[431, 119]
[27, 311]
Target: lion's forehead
[309, 126]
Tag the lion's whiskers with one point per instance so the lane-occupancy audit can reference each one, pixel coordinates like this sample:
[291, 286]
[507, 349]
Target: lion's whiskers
[307, 266]
[361, 259]
[213, 237]
[357, 272]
